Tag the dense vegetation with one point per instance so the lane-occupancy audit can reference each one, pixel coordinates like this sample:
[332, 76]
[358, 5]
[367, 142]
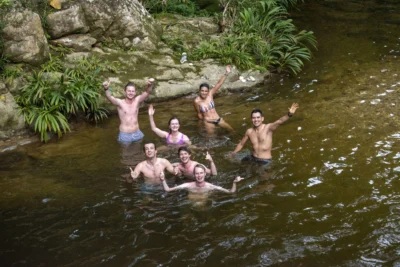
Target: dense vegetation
[48, 101]
[255, 35]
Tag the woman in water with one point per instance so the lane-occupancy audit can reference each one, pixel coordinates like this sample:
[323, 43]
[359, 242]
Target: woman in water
[174, 137]
[205, 107]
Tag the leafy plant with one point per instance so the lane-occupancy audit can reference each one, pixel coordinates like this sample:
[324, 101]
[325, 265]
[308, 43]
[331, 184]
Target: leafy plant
[10, 73]
[53, 65]
[60, 50]
[47, 106]
[261, 37]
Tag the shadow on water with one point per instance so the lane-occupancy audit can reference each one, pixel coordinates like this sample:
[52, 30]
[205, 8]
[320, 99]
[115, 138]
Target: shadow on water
[331, 196]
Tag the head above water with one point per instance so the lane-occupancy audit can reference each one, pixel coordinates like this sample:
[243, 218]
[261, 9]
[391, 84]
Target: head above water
[206, 85]
[256, 110]
[199, 166]
[129, 84]
[149, 145]
[184, 148]
[170, 120]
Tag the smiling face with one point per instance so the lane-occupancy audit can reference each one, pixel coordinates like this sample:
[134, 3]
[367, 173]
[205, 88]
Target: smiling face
[257, 119]
[199, 174]
[130, 92]
[204, 92]
[174, 125]
[150, 150]
[184, 156]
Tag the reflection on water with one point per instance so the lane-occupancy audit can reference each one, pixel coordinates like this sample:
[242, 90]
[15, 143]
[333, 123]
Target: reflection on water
[331, 196]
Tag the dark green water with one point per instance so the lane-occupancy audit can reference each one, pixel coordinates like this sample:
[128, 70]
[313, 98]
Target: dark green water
[332, 196]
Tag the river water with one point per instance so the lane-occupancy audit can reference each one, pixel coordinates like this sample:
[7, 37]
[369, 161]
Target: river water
[331, 196]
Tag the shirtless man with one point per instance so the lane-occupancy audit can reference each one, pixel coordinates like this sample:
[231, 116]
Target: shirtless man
[152, 166]
[199, 186]
[205, 107]
[186, 166]
[128, 109]
[261, 136]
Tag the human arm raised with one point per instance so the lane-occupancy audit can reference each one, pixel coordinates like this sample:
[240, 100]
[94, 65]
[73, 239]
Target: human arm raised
[221, 80]
[146, 93]
[213, 168]
[292, 110]
[232, 190]
[157, 131]
[113, 100]
[169, 189]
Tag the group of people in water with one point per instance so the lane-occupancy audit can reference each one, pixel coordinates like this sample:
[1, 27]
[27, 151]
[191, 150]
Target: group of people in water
[152, 168]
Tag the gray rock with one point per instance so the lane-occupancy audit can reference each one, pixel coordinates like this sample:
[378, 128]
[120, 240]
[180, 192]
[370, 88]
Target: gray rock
[24, 39]
[66, 22]
[3, 88]
[11, 123]
[78, 42]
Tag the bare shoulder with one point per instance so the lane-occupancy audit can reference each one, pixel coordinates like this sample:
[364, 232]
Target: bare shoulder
[164, 161]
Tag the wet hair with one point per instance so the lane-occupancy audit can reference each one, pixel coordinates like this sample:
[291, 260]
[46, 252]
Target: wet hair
[144, 149]
[256, 110]
[204, 85]
[129, 84]
[201, 166]
[183, 148]
[173, 118]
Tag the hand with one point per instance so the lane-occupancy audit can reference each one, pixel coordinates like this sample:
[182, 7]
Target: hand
[134, 174]
[162, 176]
[293, 108]
[228, 69]
[208, 157]
[106, 84]
[151, 110]
[150, 82]
[238, 179]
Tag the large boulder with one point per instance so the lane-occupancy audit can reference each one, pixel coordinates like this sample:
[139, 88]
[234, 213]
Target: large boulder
[11, 123]
[191, 31]
[24, 38]
[120, 19]
[78, 42]
[66, 22]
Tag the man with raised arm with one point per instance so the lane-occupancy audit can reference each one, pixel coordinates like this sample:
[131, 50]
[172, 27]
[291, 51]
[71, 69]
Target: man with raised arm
[128, 109]
[152, 166]
[199, 186]
[260, 136]
[186, 166]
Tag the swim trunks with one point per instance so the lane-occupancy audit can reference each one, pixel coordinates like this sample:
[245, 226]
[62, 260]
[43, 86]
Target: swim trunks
[180, 142]
[215, 121]
[130, 137]
[257, 160]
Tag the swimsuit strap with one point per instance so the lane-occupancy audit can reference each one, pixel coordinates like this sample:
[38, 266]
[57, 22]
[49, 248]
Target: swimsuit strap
[167, 139]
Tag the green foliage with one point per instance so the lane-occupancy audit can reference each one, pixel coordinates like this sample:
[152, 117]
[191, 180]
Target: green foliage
[53, 65]
[60, 50]
[3, 56]
[10, 73]
[47, 106]
[4, 3]
[262, 37]
[186, 8]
